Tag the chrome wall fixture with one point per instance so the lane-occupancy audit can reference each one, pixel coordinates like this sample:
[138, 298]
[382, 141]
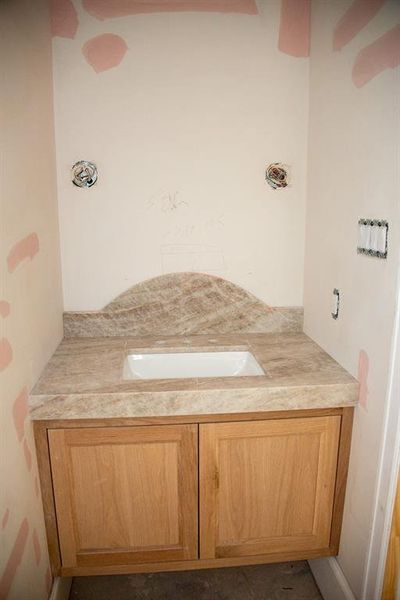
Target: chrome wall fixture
[84, 174]
[335, 303]
[277, 175]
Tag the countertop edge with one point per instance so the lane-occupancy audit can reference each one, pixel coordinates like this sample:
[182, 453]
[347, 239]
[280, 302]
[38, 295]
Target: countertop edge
[191, 402]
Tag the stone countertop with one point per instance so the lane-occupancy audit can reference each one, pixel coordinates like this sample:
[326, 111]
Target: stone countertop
[83, 379]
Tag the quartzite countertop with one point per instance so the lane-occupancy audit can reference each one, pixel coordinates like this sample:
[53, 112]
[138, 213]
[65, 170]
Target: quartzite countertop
[83, 379]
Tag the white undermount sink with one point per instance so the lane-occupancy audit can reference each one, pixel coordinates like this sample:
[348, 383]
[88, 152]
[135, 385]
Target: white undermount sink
[173, 365]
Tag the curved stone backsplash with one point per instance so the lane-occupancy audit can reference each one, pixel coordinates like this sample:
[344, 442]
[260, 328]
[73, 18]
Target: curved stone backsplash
[183, 304]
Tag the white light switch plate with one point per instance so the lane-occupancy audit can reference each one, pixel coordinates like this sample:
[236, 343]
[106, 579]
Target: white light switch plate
[373, 237]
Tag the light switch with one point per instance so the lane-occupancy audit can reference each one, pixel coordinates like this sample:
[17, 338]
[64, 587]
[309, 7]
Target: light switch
[372, 237]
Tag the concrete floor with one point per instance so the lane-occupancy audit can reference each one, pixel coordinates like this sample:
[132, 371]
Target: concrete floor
[285, 581]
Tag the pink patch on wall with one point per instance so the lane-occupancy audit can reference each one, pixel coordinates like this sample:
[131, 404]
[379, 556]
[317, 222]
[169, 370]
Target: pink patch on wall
[25, 248]
[294, 31]
[104, 51]
[28, 455]
[363, 368]
[106, 9]
[4, 308]
[14, 560]
[5, 518]
[20, 412]
[357, 16]
[6, 354]
[64, 20]
[382, 54]
[36, 546]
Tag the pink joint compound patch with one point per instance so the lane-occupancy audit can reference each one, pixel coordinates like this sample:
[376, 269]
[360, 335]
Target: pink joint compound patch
[5, 518]
[64, 20]
[363, 368]
[382, 54]
[14, 560]
[104, 51]
[20, 412]
[106, 9]
[294, 31]
[25, 248]
[4, 308]
[28, 455]
[357, 16]
[6, 353]
[36, 547]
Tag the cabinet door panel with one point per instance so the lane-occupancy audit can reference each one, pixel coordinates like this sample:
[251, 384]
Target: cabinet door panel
[125, 494]
[267, 486]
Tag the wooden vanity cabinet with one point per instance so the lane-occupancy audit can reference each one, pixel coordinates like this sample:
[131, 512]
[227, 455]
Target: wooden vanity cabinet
[267, 487]
[125, 494]
[132, 497]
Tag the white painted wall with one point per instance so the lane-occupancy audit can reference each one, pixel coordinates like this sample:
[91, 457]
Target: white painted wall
[181, 132]
[353, 172]
[30, 284]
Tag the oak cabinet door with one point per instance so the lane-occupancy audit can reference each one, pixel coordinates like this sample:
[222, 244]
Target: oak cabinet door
[125, 495]
[268, 486]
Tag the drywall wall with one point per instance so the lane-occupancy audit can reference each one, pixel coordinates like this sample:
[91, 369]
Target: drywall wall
[181, 105]
[30, 284]
[353, 172]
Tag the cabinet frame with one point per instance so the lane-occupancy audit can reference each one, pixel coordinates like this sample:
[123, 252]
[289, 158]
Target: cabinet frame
[41, 429]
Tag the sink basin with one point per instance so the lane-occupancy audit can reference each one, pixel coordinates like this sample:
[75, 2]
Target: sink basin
[190, 364]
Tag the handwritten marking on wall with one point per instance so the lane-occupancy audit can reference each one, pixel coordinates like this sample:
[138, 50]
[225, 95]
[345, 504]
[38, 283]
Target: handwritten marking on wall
[6, 354]
[382, 54]
[357, 16]
[64, 20]
[14, 560]
[104, 9]
[104, 51]
[212, 226]
[294, 31]
[166, 201]
[4, 308]
[363, 368]
[28, 247]
[191, 257]
[20, 412]
[5, 518]
[36, 547]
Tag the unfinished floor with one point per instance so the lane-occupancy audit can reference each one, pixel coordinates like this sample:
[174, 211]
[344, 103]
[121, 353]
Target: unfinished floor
[285, 581]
